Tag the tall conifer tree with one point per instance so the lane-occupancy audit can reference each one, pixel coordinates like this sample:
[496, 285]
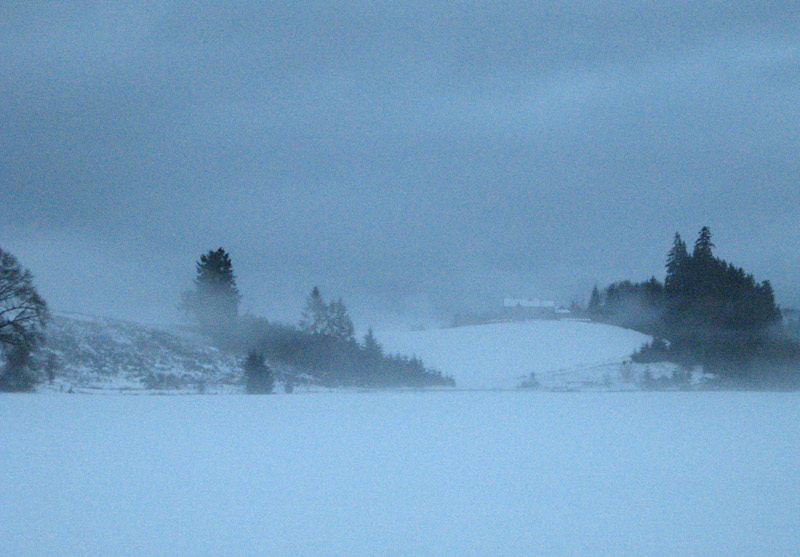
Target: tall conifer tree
[677, 260]
[595, 304]
[214, 302]
[703, 245]
[315, 314]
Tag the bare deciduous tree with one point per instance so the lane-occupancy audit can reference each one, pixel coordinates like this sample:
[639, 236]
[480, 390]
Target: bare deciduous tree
[23, 314]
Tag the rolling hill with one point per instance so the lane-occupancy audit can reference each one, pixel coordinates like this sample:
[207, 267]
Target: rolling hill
[566, 354]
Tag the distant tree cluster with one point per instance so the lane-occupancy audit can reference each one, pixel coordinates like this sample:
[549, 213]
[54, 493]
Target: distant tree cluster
[324, 349]
[704, 291]
[23, 316]
[333, 362]
[707, 311]
[637, 306]
[793, 327]
[324, 319]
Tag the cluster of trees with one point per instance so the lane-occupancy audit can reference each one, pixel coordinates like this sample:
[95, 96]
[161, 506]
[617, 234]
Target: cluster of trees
[322, 348]
[335, 361]
[23, 316]
[707, 311]
[324, 319]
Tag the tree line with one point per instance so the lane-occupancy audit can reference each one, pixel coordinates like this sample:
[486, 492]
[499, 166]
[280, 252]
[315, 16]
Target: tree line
[707, 312]
[320, 349]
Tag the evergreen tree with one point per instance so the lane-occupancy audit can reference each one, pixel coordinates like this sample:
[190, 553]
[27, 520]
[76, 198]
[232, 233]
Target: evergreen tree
[703, 245]
[338, 323]
[595, 304]
[315, 314]
[258, 377]
[372, 347]
[329, 320]
[769, 312]
[677, 261]
[214, 302]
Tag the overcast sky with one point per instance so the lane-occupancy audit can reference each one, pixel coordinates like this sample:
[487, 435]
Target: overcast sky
[414, 159]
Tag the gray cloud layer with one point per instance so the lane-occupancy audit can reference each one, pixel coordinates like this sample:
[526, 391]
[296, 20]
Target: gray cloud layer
[409, 158]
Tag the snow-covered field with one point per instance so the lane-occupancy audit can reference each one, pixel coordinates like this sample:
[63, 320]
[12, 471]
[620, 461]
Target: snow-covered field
[401, 473]
[562, 354]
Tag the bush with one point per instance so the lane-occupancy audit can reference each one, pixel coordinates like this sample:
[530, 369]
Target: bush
[258, 376]
[17, 375]
[530, 383]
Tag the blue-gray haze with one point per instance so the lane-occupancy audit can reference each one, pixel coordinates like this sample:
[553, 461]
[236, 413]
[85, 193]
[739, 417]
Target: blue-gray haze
[414, 158]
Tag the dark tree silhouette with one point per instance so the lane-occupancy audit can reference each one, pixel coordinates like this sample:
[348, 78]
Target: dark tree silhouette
[214, 302]
[23, 316]
[677, 259]
[711, 312]
[595, 304]
[703, 245]
[372, 347]
[258, 377]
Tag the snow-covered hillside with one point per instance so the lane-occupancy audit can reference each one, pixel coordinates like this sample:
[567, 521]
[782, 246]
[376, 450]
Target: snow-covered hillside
[96, 354]
[402, 473]
[563, 354]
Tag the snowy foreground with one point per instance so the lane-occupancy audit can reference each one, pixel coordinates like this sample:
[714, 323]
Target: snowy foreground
[401, 473]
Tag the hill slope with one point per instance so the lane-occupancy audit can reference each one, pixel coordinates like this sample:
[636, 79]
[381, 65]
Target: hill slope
[100, 354]
[562, 354]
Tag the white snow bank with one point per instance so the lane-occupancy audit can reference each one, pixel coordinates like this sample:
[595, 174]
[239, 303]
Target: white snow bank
[502, 354]
[440, 473]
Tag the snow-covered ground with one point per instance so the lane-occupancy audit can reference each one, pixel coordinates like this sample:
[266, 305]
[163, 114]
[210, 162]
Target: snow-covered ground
[562, 354]
[403, 473]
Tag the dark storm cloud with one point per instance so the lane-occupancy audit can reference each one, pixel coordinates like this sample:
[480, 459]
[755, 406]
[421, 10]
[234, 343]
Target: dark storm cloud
[413, 158]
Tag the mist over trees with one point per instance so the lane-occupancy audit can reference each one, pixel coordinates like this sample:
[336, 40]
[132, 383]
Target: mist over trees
[214, 301]
[321, 349]
[329, 319]
[706, 312]
[23, 316]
